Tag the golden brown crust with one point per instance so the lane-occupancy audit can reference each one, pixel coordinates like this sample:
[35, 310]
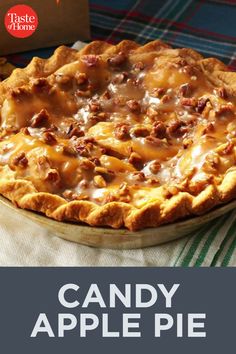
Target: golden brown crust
[117, 214]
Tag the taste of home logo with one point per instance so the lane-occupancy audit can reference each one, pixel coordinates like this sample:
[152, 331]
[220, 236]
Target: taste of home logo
[21, 21]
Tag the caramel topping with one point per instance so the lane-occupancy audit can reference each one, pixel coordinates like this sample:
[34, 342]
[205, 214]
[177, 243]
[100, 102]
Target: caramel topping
[120, 128]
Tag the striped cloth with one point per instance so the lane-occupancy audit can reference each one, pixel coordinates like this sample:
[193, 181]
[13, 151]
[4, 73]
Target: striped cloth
[207, 26]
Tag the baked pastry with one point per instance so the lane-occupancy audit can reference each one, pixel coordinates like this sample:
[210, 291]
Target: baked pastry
[124, 135]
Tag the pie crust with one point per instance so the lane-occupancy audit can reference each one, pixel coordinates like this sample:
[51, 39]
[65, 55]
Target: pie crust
[122, 136]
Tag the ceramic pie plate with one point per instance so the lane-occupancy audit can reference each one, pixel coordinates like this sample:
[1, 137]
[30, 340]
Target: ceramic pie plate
[120, 238]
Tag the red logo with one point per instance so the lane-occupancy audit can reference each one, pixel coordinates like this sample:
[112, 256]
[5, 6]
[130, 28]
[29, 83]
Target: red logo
[21, 21]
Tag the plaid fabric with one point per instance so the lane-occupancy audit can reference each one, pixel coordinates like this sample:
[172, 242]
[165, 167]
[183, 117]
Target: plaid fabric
[205, 25]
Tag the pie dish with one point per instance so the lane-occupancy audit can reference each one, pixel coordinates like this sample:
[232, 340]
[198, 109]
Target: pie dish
[121, 136]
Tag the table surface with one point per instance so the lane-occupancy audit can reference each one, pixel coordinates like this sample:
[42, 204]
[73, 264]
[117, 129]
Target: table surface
[205, 25]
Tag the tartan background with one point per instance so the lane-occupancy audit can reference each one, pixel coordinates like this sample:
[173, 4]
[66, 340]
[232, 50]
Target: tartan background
[205, 25]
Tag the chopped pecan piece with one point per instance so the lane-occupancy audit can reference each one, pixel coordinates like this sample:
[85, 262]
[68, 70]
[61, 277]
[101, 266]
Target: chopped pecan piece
[53, 176]
[134, 106]
[20, 160]
[106, 95]
[189, 69]
[19, 92]
[82, 93]
[209, 128]
[225, 109]
[211, 164]
[75, 131]
[140, 131]
[139, 176]
[124, 193]
[185, 90]
[155, 166]
[40, 84]
[122, 131]
[136, 160]
[94, 118]
[49, 138]
[40, 119]
[221, 92]
[177, 128]
[69, 150]
[99, 181]
[25, 131]
[201, 104]
[158, 130]
[81, 78]
[166, 99]
[190, 102]
[86, 164]
[90, 60]
[117, 60]
[70, 195]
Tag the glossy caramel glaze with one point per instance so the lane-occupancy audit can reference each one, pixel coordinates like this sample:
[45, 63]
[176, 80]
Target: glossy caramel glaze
[120, 127]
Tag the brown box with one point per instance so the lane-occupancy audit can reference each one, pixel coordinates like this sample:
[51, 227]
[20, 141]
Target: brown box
[60, 22]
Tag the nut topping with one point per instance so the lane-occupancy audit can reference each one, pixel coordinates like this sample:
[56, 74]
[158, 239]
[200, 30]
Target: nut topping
[134, 106]
[136, 160]
[53, 176]
[177, 128]
[185, 90]
[49, 138]
[117, 59]
[201, 104]
[155, 167]
[106, 174]
[190, 102]
[122, 131]
[86, 164]
[20, 160]
[81, 78]
[221, 92]
[158, 130]
[40, 119]
[140, 131]
[140, 126]
[69, 195]
[90, 60]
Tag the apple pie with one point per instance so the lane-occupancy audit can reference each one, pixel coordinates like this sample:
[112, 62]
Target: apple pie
[119, 135]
